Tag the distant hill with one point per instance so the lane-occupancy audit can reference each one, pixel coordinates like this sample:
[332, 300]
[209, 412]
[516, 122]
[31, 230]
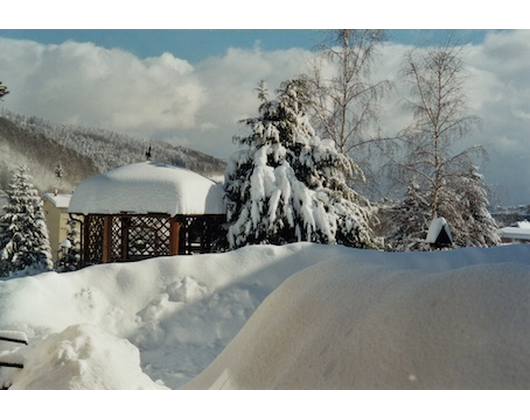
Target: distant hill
[82, 152]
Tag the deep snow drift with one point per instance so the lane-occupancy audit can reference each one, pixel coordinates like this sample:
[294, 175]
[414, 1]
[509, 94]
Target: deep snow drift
[370, 327]
[179, 312]
[344, 318]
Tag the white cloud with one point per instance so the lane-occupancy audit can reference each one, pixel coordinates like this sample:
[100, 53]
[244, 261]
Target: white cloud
[230, 82]
[159, 97]
[86, 84]
[498, 92]
[167, 98]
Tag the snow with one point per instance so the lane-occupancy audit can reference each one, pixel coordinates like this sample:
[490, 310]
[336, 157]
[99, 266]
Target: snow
[521, 231]
[16, 336]
[301, 316]
[367, 328]
[147, 187]
[61, 201]
[83, 357]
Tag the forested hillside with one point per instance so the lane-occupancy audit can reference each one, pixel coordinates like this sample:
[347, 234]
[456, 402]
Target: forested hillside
[81, 152]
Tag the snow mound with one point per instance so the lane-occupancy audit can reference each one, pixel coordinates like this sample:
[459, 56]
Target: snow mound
[348, 324]
[82, 357]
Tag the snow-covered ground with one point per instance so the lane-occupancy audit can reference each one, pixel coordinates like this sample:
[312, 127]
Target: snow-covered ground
[309, 317]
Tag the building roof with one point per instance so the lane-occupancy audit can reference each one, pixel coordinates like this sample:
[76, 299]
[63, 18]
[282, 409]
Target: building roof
[146, 187]
[520, 231]
[61, 201]
[439, 232]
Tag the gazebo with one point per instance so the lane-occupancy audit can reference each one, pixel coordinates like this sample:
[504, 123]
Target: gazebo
[146, 210]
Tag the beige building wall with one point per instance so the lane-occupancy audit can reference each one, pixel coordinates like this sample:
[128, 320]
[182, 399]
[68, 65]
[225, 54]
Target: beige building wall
[56, 211]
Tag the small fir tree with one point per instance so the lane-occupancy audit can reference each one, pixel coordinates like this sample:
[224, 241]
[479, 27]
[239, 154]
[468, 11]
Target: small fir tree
[24, 241]
[477, 225]
[69, 260]
[288, 185]
[409, 221]
[463, 202]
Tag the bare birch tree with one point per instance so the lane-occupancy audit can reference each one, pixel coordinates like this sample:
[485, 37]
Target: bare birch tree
[437, 78]
[441, 119]
[344, 98]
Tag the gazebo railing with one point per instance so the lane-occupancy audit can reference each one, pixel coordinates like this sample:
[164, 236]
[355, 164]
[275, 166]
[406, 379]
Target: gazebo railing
[128, 237]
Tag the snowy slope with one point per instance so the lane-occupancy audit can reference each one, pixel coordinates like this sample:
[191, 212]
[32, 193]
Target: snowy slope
[82, 151]
[345, 318]
[370, 326]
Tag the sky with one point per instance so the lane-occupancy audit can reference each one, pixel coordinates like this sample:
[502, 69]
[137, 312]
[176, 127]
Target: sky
[190, 87]
[196, 45]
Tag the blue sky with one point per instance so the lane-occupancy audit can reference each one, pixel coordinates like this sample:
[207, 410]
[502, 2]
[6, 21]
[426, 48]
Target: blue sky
[196, 45]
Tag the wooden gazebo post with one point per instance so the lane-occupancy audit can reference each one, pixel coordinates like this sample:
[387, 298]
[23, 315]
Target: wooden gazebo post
[174, 237]
[107, 238]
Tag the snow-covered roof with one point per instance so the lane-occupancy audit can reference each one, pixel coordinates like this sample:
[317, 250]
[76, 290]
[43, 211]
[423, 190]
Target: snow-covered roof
[148, 187]
[61, 201]
[435, 228]
[520, 231]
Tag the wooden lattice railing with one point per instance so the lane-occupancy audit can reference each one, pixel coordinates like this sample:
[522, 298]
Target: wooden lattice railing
[126, 237]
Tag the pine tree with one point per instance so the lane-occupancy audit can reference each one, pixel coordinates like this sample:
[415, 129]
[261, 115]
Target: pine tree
[463, 202]
[69, 260]
[288, 185]
[409, 221]
[475, 225]
[24, 242]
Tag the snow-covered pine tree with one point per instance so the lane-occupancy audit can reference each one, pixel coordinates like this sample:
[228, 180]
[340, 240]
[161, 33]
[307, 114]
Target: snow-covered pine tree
[409, 221]
[475, 225]
[24, 241]
[288, 185]
[69, 261]
[463, 202]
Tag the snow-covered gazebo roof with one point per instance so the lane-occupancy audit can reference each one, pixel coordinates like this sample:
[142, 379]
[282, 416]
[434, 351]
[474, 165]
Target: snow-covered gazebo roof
[147, 187]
